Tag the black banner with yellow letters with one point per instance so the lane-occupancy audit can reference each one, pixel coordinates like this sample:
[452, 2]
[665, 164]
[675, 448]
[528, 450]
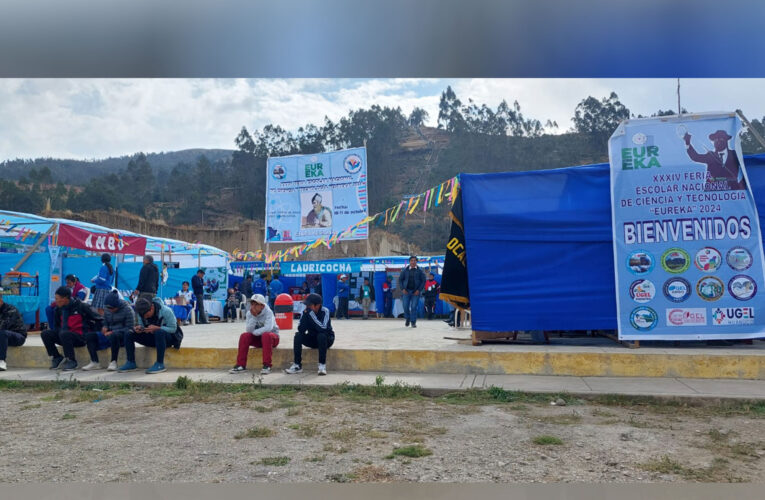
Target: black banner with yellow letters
[454, 284]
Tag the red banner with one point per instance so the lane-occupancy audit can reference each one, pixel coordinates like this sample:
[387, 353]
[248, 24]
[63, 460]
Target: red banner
[74, 237]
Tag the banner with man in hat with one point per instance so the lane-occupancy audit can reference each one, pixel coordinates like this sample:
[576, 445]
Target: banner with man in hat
[688, 254]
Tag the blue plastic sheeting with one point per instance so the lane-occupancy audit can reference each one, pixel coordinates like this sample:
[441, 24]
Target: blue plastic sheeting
[539, 247]
[85, 268]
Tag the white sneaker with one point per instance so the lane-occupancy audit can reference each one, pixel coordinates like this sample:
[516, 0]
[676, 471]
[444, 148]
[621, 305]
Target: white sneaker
[3, 366]
[265, 370]
[322, 369]
[112, 366]
[293, 369]
[92, 366]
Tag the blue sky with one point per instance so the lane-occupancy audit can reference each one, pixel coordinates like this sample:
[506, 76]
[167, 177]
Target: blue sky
[97, 118]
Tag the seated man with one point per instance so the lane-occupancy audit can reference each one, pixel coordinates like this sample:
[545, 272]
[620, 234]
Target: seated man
[156, 327]
[261, 330]
[13, 331]
[315, 331]
[72, 319]
[232, 304]
[78, 291]
[119, 320]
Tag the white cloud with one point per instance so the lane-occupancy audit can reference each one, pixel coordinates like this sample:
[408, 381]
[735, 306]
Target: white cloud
[95, 118]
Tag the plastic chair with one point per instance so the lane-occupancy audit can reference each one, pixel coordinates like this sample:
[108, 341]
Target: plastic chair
[466, 319]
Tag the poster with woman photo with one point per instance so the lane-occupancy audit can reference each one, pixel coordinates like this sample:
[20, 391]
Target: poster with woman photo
[316, 209]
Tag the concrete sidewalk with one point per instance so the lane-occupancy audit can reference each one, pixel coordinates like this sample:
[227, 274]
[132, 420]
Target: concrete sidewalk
[430, 383]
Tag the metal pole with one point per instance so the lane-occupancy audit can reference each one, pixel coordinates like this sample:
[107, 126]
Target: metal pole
[679, 112]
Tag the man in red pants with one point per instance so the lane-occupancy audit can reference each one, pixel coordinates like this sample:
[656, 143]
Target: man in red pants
[260, 331]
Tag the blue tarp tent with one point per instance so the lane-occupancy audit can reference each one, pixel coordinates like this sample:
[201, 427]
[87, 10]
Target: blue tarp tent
[539, 247]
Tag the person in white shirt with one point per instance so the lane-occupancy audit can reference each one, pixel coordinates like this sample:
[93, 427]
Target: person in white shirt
[261, 330]
[189, 296]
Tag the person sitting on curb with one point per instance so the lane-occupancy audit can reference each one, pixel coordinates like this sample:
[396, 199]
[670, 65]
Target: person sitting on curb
[119, 320]
[261, 330]
[315, 331]
[13, 331]
[157, 327]
[78, 291]
[72, 318]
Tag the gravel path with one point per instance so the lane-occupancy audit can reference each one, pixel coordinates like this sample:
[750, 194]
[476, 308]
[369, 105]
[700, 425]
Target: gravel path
[138, 435]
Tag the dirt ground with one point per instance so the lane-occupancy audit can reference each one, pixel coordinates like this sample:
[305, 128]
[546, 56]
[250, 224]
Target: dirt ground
[251, 434]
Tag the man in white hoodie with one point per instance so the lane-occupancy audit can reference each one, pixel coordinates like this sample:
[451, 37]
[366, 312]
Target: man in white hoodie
[260, 331]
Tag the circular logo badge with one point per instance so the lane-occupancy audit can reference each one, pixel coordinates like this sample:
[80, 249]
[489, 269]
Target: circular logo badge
[643, 319]
[640, 262]
[708, 259]
[710, 288]
[352, 163]
[742, 287]
[677, 289]
[639, 138]
[278, 172]
[739, 258]
[675, 260]
[642, 291]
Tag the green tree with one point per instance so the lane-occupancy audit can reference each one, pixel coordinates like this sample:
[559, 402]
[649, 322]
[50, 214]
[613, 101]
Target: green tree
[599, 118]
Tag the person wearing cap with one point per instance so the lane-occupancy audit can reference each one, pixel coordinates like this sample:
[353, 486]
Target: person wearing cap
[412, 282]
[314, 331]
[261, 331]
[723, 170]
[72, 319]
[13, 331]
[157, 327]
[430, 294]
[343, 295]
[103, 283]
[119, 320]
[198, 286]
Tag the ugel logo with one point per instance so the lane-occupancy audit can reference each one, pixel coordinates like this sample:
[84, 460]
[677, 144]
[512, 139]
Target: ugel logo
[733, 316]
[686, 317]
[677, 289]
[642, 291]
[352, 163]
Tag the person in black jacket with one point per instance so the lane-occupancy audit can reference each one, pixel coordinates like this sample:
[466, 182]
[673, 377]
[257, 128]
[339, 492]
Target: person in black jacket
[411, 281]
[148, 279]
[315, 331]
[198, 286]
[430, 294]
[119, 320]
[13, 331]
[72, 319]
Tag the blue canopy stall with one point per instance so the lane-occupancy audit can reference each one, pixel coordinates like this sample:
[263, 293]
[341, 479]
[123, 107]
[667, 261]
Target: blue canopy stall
[539, 247]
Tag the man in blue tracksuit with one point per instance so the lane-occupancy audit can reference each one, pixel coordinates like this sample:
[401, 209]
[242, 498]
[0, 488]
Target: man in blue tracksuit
[343, 295]
[412, 282]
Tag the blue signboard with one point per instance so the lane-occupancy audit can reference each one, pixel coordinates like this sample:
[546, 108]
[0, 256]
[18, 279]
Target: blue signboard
[321, 267]
[316, 196]
[687, 245]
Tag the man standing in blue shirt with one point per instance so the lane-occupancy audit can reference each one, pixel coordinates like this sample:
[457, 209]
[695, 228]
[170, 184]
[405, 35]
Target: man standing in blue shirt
[343, 294]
